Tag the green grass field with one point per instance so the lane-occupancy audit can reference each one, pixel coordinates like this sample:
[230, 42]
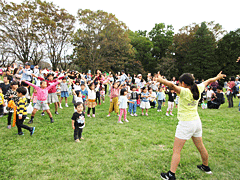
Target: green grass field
[140, 149]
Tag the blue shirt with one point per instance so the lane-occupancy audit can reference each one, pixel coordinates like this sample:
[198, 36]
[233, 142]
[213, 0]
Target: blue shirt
[84, 94]
[27, 75]
[144, 99]
[160, 96]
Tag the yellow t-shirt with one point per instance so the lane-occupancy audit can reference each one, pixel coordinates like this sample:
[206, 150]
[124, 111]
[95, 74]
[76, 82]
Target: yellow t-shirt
[1, 98]
[187, 106]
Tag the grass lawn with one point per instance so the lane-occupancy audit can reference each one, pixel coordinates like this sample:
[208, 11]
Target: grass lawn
[140, 149]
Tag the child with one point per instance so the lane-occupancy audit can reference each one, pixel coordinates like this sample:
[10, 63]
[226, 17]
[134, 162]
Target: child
[91, 98]
[209, 95]
[102, 94]
[77, 97]
[77, 86]
[133, 98]
[64, 92]
[78, 121]
[2, 104]
[42, 95]
[58, 92]
[171, 97]
[145, 101]
[84, 93]
[122, 102]
[114, 98]
[34, 97]
[160, 98]
[22, 111]
[189, 125]
[11, 95]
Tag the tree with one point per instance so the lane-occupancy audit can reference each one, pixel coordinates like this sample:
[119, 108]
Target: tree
[228, 50]
[143, 47]
[102, 40]
[161, 37]
[19, 30]
[200, 59]
[57, 26]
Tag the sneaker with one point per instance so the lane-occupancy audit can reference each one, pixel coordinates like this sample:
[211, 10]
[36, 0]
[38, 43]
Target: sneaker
[51, 120]
[171, 114]
[206, 169]
[103, 101]
[131, 115]
[158, 110]
[20, 134]
[1, 115]
[167, 114]
[66, 105]
[9, 126]
[146, 114]
[82, 138]
[60, 107]
[32, 131]
[135, 114]
[99, 103]
[142, 114]
[108, 115]
[30, 122]
[120, 122]
[93, 115]
[56, 113]
[42, 114]
[77, 141]
[126, 120]
[168, 176]
[88, 115]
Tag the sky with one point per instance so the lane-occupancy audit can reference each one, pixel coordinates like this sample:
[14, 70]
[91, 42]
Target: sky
[143, 15]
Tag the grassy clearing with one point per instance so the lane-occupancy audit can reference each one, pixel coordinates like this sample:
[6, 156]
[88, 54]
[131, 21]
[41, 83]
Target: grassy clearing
[140, 149]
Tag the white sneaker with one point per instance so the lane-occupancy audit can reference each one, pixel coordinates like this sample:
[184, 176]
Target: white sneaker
[126, 120]
[108, 115]
[167, 114]
[171, 114]
[60, 106]
[120, 122]
[66, 105]
[131, 115]
[135, 114]
[158, 110]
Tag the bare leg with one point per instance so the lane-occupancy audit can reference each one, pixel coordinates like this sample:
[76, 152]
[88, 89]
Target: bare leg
[49, 113]
[34, 112]
[65, 100]
[177, 147]
[61, 100]
[201, 148]
[56, 107]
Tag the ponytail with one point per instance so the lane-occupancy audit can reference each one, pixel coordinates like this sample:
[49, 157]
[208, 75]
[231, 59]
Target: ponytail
[189, 80]
[195, 92]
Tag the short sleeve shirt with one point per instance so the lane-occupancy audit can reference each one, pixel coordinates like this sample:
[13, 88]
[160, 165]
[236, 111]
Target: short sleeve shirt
[187, 107]
[79, 120]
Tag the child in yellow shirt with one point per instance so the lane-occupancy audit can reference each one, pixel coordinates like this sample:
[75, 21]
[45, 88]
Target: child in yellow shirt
[2, 104]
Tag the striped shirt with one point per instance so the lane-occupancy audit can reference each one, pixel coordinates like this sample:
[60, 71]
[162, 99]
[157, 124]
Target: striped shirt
[22, 106]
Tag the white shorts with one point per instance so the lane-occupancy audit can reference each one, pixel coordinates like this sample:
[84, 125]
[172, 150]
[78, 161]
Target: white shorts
[145, 105]
[41, 105]
[187, 129]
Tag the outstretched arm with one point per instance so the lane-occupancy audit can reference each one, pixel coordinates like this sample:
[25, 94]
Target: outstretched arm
[33, 85]
[168, 83]
[218, 77]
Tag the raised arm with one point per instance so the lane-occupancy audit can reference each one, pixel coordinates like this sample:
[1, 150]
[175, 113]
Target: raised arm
[169, 84]
[218, 77]
[54, 84]
[33, 85]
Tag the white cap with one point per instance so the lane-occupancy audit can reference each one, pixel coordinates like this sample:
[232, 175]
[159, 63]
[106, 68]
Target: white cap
[139, 75]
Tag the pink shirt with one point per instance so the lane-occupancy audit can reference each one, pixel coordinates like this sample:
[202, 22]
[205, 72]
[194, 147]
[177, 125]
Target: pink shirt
[114, 93]
[42, 94]
[34, 97]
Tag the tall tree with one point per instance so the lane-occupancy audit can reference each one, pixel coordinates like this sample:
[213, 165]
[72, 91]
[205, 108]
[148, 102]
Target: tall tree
[102, 42]
[161, 37]
[57, 26]
[143, 47]
[19, 30]
[200, 59]
[228, 51]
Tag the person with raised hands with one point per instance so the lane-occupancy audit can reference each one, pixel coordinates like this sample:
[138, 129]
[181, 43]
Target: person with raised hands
[189, 125]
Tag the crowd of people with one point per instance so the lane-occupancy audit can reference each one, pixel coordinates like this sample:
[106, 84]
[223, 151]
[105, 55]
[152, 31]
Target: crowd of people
[124, 90]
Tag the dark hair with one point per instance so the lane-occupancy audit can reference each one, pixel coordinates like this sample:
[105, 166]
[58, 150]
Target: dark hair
[8, 77]
[77, 81]
[189, 80]
[219, 87]
[50, 74]
[133, 86]
[232, 78]
[14, 83]
[22, 90]
[149, 88]
[122, 91]
[82, 84]
[77, 104]
[92, 83]
[42, 82]
[77, 93]
[143, 88]
[24, 84]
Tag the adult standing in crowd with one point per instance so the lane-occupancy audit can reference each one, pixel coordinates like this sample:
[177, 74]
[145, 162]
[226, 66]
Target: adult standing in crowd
[27, 74]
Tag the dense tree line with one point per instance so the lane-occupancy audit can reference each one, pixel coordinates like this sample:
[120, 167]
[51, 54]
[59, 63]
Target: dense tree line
[38, 30]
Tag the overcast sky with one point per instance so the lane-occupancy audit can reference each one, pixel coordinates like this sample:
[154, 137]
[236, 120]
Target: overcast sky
[142, 15]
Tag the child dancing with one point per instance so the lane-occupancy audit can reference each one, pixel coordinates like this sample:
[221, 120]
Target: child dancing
[114, 99]
[133, 98]
[171, 96]
[91, 97]
[145, 101]
[42, 95]
[189, 125]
